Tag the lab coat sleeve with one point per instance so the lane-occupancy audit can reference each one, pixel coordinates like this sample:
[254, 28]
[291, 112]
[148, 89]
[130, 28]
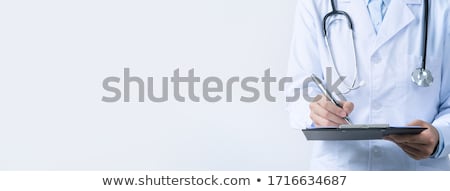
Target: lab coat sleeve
[442, 120]
[303, 61]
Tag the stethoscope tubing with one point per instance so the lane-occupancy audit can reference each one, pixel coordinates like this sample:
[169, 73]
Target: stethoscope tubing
[421, 76]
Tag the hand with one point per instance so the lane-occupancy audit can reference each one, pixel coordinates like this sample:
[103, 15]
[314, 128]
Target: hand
[325, 113]
[420, 146]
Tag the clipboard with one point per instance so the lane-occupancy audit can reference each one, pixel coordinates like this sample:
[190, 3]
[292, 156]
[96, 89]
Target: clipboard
[358, 132]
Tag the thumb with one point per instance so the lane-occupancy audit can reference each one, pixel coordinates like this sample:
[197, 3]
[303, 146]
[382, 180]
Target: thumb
[347, 106]
[417, 123]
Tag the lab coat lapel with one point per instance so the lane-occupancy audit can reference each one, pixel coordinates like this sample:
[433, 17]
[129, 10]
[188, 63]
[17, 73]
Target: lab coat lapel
[362, 21]
[398, 16]
[359, 14]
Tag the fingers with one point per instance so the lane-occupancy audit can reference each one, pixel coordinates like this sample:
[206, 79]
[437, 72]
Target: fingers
[418, 123]
[322, 122]
[419, 150]
[329, 106]
[325, 113]
[412, 152]
[405, 138]
[418, 146]
[416, 152]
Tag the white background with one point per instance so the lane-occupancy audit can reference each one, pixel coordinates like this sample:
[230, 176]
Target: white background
[55, 54]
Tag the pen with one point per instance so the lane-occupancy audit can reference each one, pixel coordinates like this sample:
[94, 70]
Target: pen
[327, 94]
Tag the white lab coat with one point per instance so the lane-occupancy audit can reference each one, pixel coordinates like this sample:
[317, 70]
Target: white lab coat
[386, 61]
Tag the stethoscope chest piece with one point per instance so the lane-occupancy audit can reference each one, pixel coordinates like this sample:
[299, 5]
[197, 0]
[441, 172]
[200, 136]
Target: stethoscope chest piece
[422, 77]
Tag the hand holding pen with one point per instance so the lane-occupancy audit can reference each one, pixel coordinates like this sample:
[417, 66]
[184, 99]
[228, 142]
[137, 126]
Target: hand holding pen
[327, 111]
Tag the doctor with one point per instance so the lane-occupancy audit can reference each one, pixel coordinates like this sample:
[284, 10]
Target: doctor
[377, 59]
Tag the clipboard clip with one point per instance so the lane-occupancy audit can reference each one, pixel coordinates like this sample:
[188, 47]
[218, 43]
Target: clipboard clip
[363, 126]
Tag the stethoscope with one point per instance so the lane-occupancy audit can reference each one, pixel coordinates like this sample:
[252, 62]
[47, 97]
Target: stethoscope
[420, 76]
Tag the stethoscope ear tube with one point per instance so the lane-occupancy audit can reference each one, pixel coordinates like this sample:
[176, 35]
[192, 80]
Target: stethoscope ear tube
[354, 85]
[335, 13]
